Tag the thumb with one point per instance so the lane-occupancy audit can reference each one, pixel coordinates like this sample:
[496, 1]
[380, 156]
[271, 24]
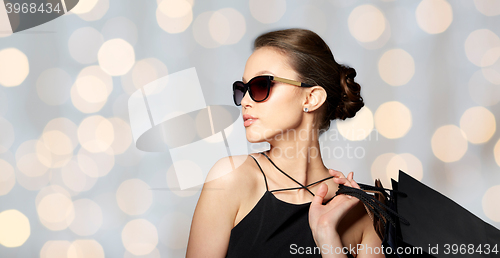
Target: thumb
[320, 194]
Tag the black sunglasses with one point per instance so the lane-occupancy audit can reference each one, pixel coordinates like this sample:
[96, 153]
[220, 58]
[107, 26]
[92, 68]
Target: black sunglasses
[259, 87]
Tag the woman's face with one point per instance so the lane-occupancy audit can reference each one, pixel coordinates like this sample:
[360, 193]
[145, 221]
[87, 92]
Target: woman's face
[283, 109]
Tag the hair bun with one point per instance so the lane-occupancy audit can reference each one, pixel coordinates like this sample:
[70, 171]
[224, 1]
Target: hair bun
[350, 101]
[349, 72]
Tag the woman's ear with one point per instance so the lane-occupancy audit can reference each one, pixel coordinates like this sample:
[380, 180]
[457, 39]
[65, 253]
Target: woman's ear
[315, 98]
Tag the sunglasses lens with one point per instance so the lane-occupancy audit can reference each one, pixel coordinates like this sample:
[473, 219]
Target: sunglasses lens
[259, 88]
[238, 92]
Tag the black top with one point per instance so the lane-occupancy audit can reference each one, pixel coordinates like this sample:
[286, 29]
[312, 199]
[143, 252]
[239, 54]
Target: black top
[275, 228]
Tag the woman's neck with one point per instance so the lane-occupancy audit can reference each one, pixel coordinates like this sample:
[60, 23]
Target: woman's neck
[299, 158]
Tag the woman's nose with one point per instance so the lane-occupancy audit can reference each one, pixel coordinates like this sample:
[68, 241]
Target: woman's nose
[246, 100]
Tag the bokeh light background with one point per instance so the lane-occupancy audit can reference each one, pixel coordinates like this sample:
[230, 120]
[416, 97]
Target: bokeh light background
[72, 183]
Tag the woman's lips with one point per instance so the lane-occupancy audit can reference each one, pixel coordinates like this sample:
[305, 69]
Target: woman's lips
[248, 122]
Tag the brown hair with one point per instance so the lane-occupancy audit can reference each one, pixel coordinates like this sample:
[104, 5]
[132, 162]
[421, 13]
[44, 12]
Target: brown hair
[313, 61]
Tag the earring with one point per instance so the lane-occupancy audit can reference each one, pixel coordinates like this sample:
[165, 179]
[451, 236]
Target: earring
[306, 110]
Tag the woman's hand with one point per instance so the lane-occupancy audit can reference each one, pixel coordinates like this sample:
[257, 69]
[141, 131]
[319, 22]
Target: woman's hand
[324, 219]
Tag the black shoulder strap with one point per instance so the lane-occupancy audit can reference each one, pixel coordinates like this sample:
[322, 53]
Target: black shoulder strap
[265, 179]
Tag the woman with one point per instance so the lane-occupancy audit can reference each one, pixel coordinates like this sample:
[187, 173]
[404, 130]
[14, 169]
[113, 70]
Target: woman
[292, 87]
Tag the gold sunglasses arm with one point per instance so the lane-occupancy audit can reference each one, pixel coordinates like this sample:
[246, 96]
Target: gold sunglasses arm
[292, 82]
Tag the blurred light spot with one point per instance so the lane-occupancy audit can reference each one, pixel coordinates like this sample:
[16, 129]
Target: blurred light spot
[95, 70]
[14, 228]
[47, 156]
[478, 44]
[6, 135]
[65, 126]
[492, 75]
[55, 249]
[358, 127]
[134, 196]
[123, 135]
[366, 23]
[488, 7]
[90, 75]
[174, 16]
[496, 152]
[32, 159]
[116, 57]
[177, 222]
[272, 13]
[154, 254]
[379, 169]
[308, 17]
[449, 143]
[32, 183]
[407, 163]
[380, 41]
[434, 16]
[96, 133]
[483, 92]
[146, 71]
[120, 27]
[139, 237]
[84, 43]
[491, 56]
[88, 217]
[492, 72]
[227, 26]
[85, 248]
[91, 89]
[74, 178]
[201, 30]
[393, 119]
[7, 177]
[84, 6]
[53, 86]
[96, 164]
[478, 124]
[56, 211]
[490, 203]
[14, 67]
[93, 11]
[396, 67]
[173, 184]
[57, 142]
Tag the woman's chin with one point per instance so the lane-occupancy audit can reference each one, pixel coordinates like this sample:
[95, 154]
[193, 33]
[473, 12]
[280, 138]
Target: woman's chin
[252, 138]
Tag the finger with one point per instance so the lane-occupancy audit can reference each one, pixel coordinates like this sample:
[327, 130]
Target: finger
[320, 194]
[336, 173]
[350, 176]
[342, 181]
[354, 184]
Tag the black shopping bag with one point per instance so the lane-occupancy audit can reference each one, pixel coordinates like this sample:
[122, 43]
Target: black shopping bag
[413, 219]
[440, 226]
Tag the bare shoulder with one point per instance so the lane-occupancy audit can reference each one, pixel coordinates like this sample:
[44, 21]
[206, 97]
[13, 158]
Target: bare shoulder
[217, 207]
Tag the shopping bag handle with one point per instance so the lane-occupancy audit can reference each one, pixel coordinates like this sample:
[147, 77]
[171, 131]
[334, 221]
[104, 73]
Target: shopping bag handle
[379, 209]
[381, 190]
